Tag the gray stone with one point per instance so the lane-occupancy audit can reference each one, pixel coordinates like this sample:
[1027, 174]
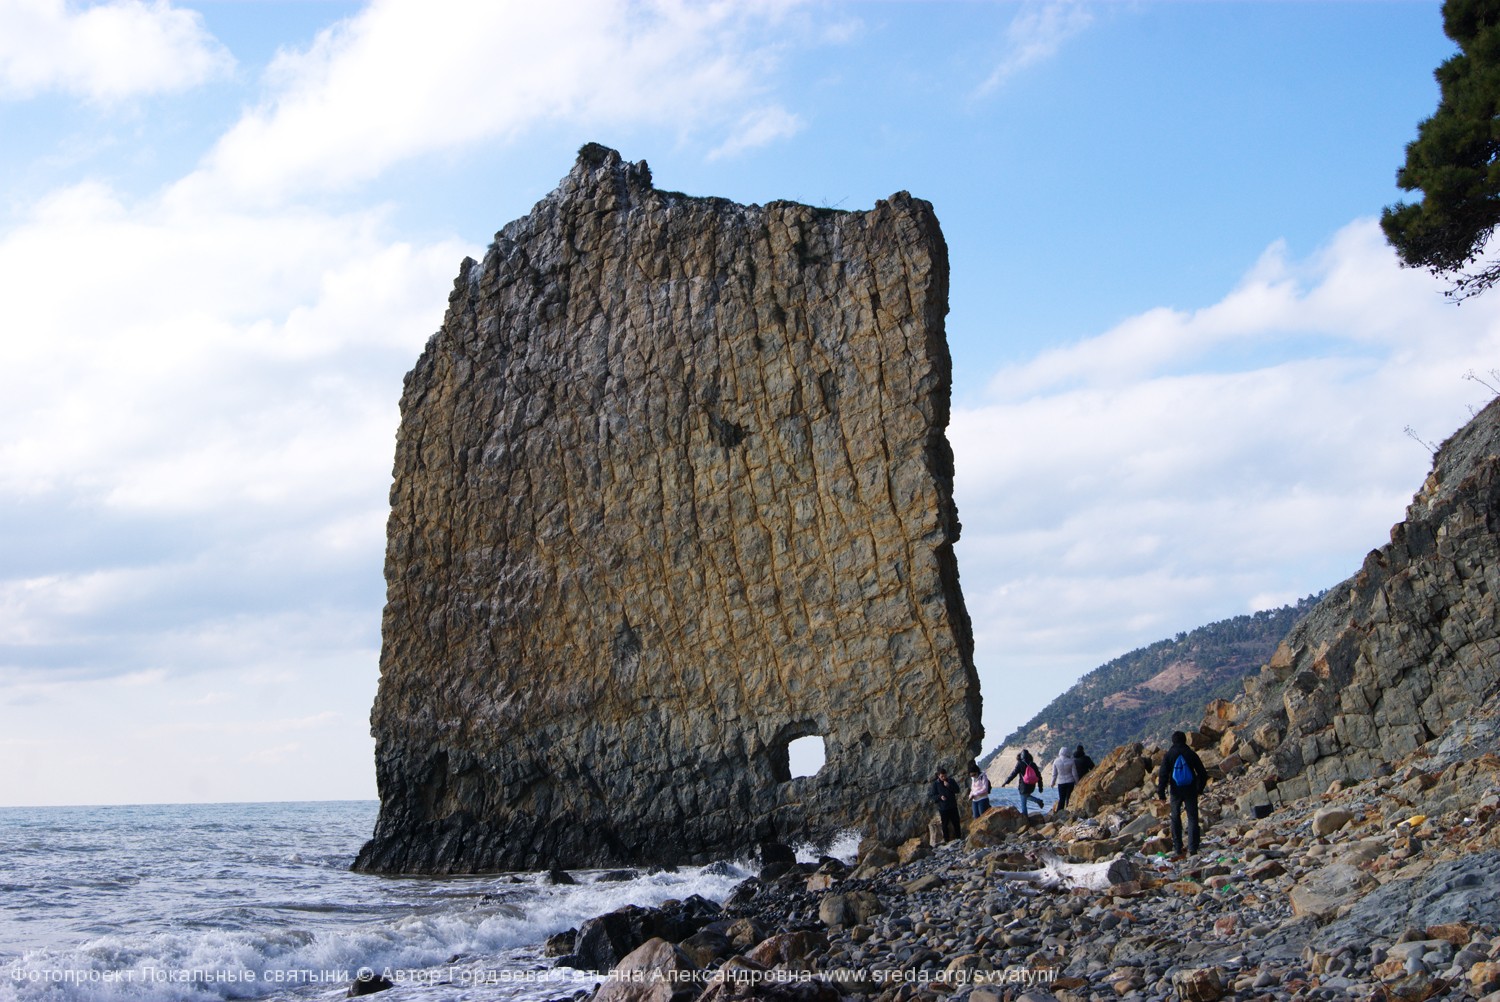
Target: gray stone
[604, 940]
[1362, 851]
[854, 908]
[926, 882]
[1142, 825]
[1201, 985]
[1329, 820]
[368, 985]
[560, 944]
[1421, 948]
[1471, 955]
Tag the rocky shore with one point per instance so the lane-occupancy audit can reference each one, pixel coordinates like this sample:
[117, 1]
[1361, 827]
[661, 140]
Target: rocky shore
[1388, 888]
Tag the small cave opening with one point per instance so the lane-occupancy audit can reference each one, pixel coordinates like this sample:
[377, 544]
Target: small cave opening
[798, 753]
[805, 756]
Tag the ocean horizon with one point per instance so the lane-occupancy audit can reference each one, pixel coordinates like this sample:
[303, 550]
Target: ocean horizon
[372, 801]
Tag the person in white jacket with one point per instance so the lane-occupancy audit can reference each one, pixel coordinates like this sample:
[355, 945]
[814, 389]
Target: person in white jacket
[979, 790]
[1064, 775]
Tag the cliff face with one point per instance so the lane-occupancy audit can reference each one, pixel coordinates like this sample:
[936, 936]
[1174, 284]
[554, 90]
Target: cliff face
[1398, 654]
[672, 489]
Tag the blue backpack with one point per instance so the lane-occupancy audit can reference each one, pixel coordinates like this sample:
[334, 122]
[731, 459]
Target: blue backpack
[1182, 773]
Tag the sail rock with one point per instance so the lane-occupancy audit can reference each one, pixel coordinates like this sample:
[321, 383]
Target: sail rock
[672, 489]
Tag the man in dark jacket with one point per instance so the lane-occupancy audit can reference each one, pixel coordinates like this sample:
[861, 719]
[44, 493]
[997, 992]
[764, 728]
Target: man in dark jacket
[945, 795]
[1082, 760]
[1185, 782]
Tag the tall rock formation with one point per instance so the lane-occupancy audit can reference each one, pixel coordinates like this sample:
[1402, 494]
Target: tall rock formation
[1406, 649]
[672, 489]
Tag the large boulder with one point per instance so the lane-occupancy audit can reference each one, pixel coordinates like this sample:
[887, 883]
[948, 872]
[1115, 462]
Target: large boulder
[1121, 772]
[655, 971]
[848, 909]
[791, 951]
[603, 941]
[1202, 984]
[993, 827]
[1330, 819]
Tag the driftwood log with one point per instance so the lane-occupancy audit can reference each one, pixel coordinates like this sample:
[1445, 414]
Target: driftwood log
[1057, 873]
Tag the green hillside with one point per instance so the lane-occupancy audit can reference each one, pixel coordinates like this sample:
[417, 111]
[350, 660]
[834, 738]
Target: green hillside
[1150, 692]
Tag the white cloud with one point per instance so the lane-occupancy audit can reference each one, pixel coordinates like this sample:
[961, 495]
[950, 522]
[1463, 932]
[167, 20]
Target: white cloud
[405, 78]
[106, 52]
[196, 435]
[275, 755]
[759, 128]
[1034, 35]
[195, 463]
[214, 355]
[1189, 465]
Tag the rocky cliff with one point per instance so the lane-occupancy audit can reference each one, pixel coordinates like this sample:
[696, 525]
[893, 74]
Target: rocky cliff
[1401, 653]
[672, 489]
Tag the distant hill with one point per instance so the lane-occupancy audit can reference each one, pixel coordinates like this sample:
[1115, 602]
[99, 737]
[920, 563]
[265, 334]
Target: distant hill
[1150, 692]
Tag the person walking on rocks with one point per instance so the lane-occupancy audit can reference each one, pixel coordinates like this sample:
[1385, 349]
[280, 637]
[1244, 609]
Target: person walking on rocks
[1082, 761]
[979, 789]
[1064, 776]
[1028, 777]
[945, 795]
[1182, 772]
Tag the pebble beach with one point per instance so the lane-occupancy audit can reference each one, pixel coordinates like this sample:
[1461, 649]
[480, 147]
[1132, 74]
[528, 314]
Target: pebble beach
[1384, 889]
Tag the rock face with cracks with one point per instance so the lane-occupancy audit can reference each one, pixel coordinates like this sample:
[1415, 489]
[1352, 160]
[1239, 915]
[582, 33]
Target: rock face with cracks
[672, 489]
[1403, 652]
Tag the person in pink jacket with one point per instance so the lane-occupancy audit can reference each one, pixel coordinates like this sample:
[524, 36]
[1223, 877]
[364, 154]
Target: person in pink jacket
[1029, 777]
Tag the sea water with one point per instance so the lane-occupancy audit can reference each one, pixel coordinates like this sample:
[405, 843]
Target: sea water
[1009, 796]
[256, 901]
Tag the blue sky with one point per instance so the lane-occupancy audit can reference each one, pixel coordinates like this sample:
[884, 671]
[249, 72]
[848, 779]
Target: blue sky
[1184, 359]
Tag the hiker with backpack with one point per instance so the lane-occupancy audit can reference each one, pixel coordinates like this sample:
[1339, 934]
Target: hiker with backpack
[1182, 772]
[1029, 778]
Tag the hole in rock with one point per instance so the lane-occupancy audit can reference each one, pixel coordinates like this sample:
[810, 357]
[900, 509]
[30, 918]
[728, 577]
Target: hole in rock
[805, 756]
